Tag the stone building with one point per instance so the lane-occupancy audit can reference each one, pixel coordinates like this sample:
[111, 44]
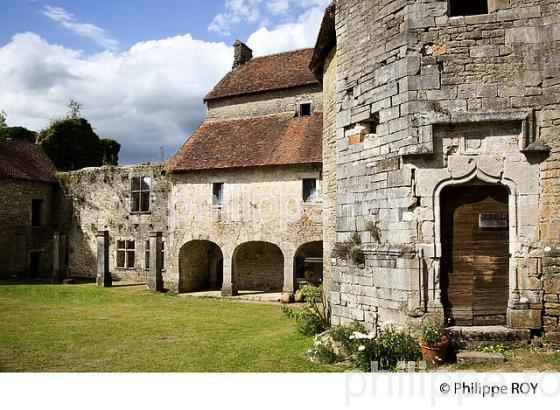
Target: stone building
[27, 198]
[128, 202]
[245, 203]
[443, 160]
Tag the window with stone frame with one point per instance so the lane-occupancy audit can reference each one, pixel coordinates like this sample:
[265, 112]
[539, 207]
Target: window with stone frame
[309, 189]
[140, 189]
[37, 212]
[218, 193]
[459, 8]
[304, 109]
[126, 254]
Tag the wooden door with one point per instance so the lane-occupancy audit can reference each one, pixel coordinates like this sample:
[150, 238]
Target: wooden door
[475, 259]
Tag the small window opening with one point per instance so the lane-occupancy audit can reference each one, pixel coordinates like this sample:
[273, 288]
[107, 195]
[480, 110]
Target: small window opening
[467, 8]
[140, 193]
[309, 189]
[218, 193]
[371, 123]
[304, 110]
[125, 254]
[147, 254]
[36, 212]
[162, 255]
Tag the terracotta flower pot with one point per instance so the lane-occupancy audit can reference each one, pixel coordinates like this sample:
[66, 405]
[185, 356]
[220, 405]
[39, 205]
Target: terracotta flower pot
[435, 354]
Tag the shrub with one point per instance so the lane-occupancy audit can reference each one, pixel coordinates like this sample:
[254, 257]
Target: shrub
[311, 319]
[388, 348]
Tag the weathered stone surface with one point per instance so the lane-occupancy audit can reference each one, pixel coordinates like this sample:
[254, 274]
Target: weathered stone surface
[480, 357]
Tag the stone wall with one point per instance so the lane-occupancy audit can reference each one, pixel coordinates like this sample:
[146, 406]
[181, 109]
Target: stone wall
[266, 103]
[329, 166]
[259, 266]
[260, 204]
[20, 238]
[98, 199]
[414, 88]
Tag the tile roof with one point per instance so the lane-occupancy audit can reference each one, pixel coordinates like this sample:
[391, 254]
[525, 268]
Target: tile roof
[25, 160]
[250, 142]
[273, 72]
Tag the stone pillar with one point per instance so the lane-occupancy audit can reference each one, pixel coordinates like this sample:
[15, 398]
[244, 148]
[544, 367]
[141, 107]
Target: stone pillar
[289, 274]
[228, 286]
[155, 277]
[59, 270]
[103, 275]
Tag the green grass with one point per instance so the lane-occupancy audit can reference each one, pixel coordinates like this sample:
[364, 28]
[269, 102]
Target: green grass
[84, 328]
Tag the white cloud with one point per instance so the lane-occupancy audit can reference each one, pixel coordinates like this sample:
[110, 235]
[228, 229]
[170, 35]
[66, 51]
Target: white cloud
[288, 36]
[68, 21]
[237, 11]
[146, 97]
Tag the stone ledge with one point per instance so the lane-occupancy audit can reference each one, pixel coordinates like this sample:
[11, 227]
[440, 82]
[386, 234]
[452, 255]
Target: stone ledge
[479, 357]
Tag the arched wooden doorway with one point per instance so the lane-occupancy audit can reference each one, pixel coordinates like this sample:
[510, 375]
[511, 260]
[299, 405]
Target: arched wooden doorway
[475, 253]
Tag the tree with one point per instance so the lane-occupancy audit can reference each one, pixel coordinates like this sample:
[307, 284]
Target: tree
[111, 150]
[3, 119]
[72, 144]
[74, 109]
[18, 133]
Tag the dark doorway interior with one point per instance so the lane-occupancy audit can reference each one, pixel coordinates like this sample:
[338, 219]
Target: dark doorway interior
[35, 264]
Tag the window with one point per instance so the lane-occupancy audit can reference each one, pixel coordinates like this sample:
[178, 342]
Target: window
[36, 212]
[467, 8]
[218, 193]
[309, 189]
[125, 254]
[140, 193]
[304, 109]
[147, 254]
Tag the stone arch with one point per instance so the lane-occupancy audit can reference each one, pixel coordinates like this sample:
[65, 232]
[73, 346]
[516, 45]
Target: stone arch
[200, 266]
[308, 263]
[258, 266]
[477, 174]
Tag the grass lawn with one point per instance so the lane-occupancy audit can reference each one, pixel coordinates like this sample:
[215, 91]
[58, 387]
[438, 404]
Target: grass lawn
[126, 328]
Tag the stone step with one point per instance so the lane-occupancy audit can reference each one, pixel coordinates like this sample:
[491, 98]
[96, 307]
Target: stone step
[468, 357]
[471, 337]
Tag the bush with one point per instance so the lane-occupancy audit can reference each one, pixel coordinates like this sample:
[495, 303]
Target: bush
[388, 348]
[311, 319]
[432, 334]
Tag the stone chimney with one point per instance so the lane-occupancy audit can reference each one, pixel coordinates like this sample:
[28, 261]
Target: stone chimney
[241, 55]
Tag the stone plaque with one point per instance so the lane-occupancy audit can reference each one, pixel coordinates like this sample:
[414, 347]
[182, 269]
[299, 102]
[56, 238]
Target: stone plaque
[493, 221]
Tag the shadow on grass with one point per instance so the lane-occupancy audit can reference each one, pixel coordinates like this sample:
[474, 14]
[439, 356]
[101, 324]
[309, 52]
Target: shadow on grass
[41, 281]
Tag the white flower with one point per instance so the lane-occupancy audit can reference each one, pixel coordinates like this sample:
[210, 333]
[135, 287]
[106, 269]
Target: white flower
[361, 348]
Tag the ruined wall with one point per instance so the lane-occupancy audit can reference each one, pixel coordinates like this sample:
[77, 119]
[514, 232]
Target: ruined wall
[422, 76]
[100, 199]
[260, 204]
[19, 236]
[266, 103]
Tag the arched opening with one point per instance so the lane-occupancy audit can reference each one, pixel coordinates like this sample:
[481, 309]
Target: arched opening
[308, 263]
[258, 266]
[475, 253]
[200, 266]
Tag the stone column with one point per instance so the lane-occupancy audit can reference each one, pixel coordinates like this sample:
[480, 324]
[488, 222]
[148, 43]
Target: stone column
[155, 277]
[228, 286]
[59, 270]
[103, 275]
[288, 288]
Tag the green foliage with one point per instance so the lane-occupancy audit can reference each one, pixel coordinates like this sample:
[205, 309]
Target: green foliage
[18, 133]
[72, 144]
[351, 249]
[111, 150]
[311, 318]
[499, 348]
[432, 334]
[3, 123]
[74, 110]
[387, 349]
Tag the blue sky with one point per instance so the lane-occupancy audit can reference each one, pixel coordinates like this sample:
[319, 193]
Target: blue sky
[139, 67]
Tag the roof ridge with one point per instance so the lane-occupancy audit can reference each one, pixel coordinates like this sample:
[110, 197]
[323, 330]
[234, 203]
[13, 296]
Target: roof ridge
[281, 53]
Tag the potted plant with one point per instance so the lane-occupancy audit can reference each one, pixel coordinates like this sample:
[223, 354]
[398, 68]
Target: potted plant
[433, 343]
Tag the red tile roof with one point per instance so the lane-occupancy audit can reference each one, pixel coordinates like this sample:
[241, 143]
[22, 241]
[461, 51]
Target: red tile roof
[273, 72]
[24, 160]
[250, 142]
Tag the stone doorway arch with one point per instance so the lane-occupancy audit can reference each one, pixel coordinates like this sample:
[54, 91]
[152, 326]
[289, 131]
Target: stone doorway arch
[258, 266]
[200, 266]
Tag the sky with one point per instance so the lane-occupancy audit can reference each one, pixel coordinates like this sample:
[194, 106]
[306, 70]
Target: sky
[140, 68]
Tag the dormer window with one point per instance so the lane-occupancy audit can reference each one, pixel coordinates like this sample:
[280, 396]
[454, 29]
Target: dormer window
[467, 8]
[304, 109]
